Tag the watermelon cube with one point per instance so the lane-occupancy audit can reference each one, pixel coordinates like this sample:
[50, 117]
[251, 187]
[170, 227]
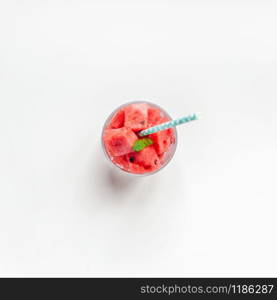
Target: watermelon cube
[162, 140]
[154, 116]
[121, 161]
[136, 116]
[117, 120]
[119, 141]
[146, 158]
[137, 169]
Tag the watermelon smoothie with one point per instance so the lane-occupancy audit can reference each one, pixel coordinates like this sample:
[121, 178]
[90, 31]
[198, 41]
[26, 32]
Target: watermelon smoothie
[121, 130]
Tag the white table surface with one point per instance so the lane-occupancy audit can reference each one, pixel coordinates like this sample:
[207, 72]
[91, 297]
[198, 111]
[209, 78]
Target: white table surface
[65, 65]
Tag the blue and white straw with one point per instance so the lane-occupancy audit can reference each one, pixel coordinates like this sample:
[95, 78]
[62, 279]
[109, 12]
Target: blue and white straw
[169, 124]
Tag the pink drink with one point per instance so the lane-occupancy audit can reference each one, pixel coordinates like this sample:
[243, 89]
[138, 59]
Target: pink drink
[121, 130]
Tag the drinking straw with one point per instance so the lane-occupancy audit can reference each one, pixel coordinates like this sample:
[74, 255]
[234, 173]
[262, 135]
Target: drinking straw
[169, 124]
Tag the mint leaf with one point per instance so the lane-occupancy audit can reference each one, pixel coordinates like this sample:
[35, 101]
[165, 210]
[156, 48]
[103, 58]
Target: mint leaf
[141, 144]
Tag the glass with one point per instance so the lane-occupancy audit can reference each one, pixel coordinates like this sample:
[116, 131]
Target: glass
[167, 157]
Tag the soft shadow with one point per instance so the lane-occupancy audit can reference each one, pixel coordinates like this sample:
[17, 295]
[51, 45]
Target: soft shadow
[120, 181]
[110, 182]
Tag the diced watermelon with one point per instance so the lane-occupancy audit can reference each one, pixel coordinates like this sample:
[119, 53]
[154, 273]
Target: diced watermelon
[162, 140]
[137, 169]
[154, 116]
[147, 158]
[121, 134]
[136, 116]
[119, 141]
[121, 161]
[117, 120]
[161, 157]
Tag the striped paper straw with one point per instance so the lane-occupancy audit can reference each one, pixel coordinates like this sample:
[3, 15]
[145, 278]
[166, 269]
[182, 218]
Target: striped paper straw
[169, 124]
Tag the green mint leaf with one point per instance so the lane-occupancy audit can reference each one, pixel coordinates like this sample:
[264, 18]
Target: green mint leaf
[141, 144]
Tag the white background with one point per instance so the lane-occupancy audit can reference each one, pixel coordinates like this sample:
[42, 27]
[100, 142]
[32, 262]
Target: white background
[65, 65]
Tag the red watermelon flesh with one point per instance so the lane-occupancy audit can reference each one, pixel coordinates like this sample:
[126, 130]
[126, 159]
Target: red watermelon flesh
[154, 116]
[121, 161]
[162, 140]
[117, 120]
[137, 169]
[136, 116]
[147, 159]
[119, 141]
